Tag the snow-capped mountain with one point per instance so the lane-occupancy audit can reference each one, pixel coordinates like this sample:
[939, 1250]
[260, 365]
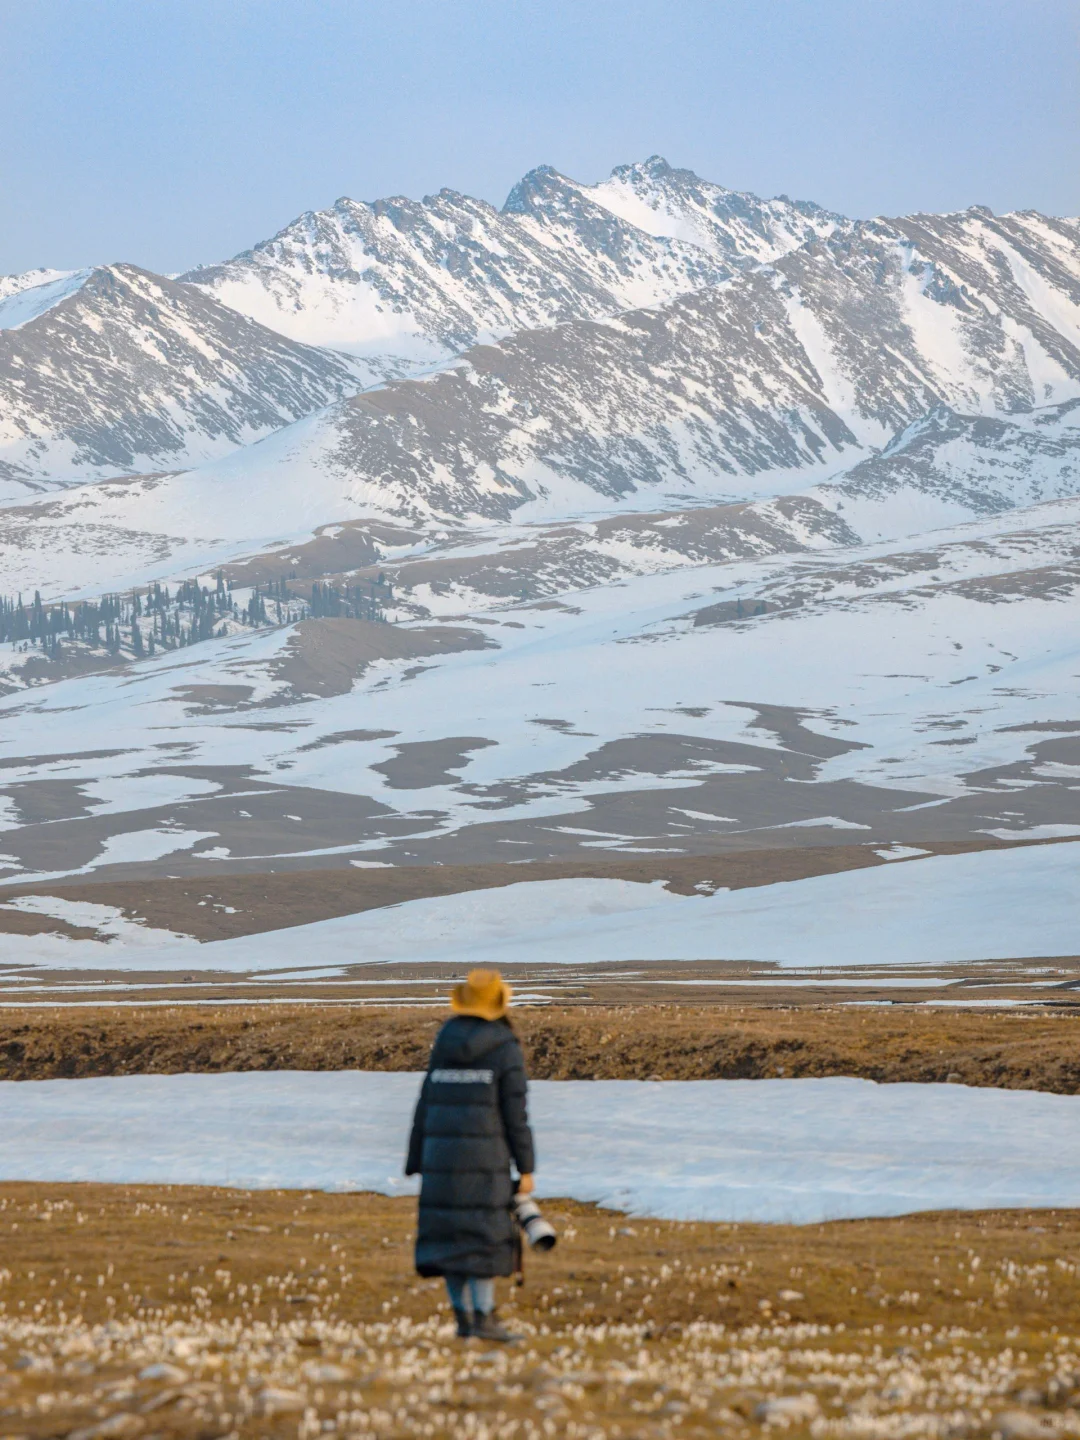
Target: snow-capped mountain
[704, 494]
[114, 370]
[783, 376]
[896, 376]
[732, 225]
[733, 378]
[405, 283]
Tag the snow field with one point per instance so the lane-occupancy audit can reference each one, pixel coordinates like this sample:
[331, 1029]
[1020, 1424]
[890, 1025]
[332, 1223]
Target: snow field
[1017, 903]
[798, 1151]
[891, 666]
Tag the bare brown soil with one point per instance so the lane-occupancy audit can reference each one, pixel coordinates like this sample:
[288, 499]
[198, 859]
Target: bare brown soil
[325, 656]
[172, 1311]
[334, 551]
[1009, 1050]
[277, 900]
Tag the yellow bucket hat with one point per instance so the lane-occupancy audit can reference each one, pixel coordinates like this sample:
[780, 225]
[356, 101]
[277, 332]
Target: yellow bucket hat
[484, 994]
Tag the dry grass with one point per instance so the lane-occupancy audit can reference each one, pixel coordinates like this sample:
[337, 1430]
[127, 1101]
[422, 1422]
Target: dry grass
[1016, 1049]
[294, 1314]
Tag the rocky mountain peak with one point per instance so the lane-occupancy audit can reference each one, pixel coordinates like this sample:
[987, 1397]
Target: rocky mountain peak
[535, 189]
[655, 165]
[655, 170]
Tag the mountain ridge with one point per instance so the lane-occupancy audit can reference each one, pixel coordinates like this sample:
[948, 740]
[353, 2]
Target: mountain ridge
[798, 542]
[764, 383]
[464, 272]
[984, 312]
[129, 371]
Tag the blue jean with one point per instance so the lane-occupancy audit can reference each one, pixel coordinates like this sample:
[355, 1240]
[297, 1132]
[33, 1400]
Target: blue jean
[481, 1290]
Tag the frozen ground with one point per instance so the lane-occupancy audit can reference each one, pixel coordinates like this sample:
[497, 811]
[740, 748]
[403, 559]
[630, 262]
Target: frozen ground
[774, 1150]
[1017, 903]
[896, 694]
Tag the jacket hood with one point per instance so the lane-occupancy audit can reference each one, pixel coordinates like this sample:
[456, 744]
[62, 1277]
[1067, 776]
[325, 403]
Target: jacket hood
[466, 1039]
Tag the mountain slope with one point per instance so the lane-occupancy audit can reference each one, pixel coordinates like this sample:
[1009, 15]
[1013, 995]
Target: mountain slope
[24, 297]
[892, 693]
[984, 310]
[756, 386]
[945, 468]
[942, 470]
[402, 282]
[895, 375]
[116, 370]
[263, 504]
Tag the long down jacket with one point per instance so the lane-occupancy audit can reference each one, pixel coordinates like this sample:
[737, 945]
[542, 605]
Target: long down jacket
[471, 1121]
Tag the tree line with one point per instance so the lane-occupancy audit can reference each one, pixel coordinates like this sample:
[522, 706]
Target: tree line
[146, 622]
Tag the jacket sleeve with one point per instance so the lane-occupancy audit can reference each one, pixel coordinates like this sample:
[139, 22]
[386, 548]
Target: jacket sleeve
[513, 1105]
[416, 1137]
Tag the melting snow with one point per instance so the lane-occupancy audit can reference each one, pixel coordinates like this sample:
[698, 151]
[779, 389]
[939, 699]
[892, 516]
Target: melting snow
[110, 923]
[986, 905]
[736, 1150]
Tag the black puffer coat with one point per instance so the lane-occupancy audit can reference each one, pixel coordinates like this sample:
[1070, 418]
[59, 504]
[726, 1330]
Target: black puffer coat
[470, 1122]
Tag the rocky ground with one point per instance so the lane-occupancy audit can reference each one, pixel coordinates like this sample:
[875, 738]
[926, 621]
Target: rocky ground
[1015, 1049]
[147, 1311]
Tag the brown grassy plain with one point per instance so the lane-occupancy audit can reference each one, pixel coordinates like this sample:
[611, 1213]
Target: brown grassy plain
[174, 1311]
[1017, 1048]
[156, 1312]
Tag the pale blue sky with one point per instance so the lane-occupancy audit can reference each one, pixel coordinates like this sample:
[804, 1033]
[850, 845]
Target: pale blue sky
[169, 132]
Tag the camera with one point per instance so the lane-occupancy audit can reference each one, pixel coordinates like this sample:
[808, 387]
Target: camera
[537, 1231]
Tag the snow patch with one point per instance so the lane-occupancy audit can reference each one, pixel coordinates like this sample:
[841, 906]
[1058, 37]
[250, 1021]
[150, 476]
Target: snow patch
[110, 923]
[793, 1151]
[21, 303]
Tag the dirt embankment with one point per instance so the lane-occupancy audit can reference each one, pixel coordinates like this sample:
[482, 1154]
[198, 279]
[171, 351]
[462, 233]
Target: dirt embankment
[1007, 1050]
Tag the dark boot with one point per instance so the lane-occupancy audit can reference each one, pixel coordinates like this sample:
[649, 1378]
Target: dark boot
[464, 1323]
[490, 1327]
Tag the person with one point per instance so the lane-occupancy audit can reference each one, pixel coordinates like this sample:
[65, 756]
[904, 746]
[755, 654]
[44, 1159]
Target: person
[471, 1123]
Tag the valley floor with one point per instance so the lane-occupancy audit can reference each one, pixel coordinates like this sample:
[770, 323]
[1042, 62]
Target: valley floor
[172, 1311]
[199, 1312]
[949, 924]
